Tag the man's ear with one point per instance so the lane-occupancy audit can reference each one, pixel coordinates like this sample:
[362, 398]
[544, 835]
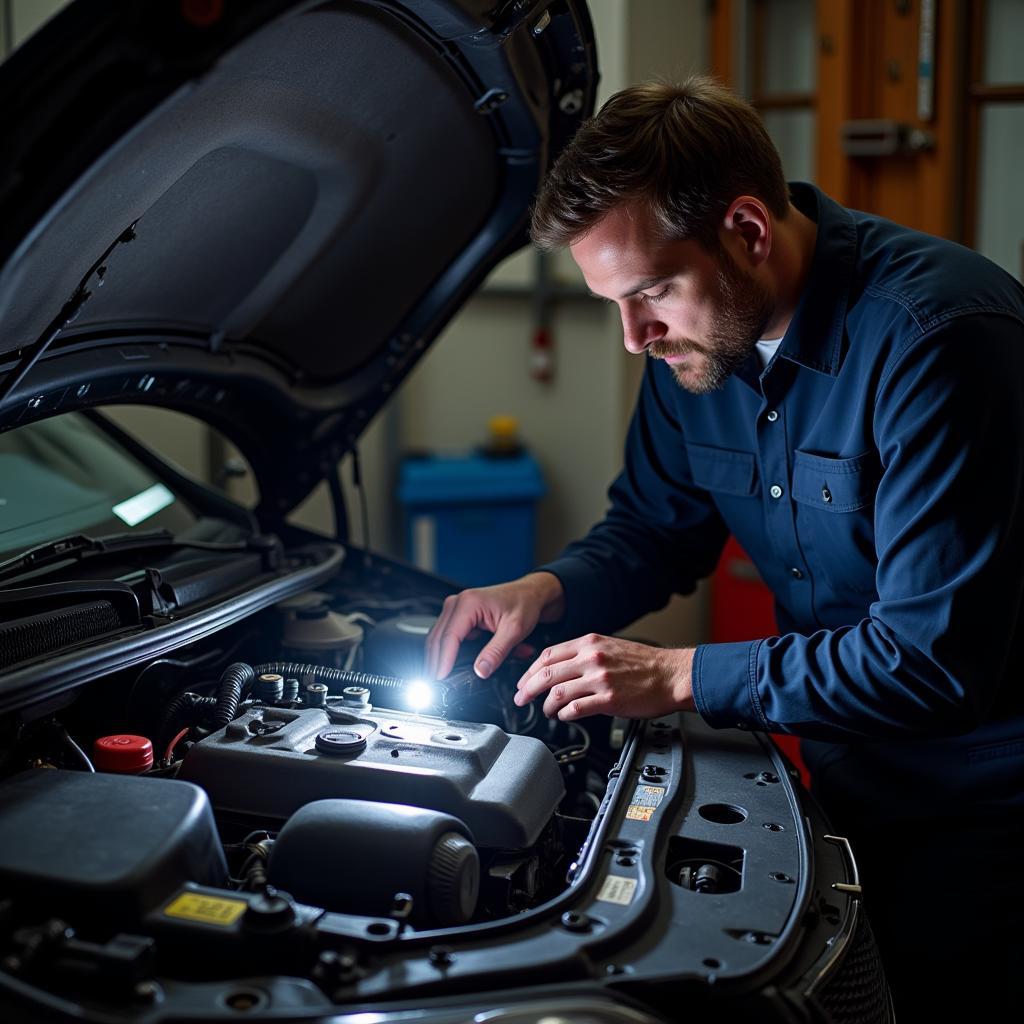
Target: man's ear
[747, 230]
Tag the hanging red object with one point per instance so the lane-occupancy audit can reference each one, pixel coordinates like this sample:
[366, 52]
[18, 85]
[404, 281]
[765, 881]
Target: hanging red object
[542, 355]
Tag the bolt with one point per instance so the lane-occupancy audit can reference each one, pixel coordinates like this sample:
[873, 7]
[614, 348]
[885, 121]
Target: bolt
[441, 956]
[576, 922]
[148, 991]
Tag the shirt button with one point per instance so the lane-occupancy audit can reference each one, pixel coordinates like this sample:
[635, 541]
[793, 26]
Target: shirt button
[771, 416]
[796, 573]
[826, 494]
[776, 491]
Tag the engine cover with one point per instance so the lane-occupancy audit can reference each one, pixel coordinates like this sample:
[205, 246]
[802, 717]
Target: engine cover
[269, 762]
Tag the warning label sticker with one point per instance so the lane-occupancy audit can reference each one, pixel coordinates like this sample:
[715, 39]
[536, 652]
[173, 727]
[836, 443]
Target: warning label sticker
[214, 910]
[645, 801]
[617, 889]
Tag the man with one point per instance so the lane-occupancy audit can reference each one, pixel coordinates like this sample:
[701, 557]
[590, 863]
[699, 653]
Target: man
[846, 397]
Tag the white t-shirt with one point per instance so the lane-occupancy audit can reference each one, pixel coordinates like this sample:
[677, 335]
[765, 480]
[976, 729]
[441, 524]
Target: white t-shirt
[766, 349]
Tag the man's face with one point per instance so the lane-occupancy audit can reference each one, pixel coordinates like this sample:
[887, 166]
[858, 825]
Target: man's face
[699, 311]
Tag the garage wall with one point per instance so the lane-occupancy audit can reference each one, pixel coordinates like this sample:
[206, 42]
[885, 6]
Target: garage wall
[575, 424]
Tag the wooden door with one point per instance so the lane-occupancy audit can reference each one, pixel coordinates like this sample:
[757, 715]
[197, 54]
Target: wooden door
[885, 70]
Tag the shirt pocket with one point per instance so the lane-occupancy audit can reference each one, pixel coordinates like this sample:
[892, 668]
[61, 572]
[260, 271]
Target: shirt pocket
[723, 471]
[835, 501]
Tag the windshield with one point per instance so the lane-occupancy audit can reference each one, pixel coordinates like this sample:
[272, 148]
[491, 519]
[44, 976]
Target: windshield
[64, 475]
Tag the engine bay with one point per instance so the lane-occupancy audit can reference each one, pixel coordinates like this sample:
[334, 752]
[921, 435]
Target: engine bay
[309, 773]
[283, 815]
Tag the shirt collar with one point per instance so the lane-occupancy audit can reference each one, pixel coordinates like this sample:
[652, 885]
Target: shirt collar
[815, 335]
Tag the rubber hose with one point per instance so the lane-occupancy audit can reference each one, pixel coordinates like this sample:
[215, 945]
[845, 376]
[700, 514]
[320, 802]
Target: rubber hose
[229, 692]
[324, 674]
[185, 709]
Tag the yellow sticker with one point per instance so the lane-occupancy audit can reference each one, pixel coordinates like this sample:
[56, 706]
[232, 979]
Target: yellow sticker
[191, 906]
[637, 813]
[617, 889]
[645, 801]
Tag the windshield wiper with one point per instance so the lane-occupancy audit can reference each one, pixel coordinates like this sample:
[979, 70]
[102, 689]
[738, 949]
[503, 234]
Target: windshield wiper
[79, 546]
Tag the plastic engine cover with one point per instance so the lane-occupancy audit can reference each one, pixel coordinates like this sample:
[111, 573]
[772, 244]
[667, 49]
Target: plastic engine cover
[269, 762]
[100, 847]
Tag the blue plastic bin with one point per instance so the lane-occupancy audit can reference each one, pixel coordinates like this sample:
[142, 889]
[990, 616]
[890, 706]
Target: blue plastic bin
[471, 518]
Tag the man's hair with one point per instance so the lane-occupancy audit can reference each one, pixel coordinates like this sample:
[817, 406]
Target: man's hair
[685, 151]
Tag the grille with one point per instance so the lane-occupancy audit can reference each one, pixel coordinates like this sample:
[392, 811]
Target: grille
[36, 635]
[856, 992]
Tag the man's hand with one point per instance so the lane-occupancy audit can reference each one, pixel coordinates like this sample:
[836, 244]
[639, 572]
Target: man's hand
[602, 675]
[509, 610]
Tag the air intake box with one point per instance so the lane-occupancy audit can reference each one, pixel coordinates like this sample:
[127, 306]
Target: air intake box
[102, 847]
[269, 762]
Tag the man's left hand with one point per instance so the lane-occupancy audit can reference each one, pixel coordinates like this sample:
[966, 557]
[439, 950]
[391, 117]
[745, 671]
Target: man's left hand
[603, 675]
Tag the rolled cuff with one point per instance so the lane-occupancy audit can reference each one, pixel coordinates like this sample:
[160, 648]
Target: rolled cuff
[725, 686]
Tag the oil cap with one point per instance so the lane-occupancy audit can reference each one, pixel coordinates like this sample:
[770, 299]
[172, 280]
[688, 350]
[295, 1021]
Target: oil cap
[123, 753]
[340, 740]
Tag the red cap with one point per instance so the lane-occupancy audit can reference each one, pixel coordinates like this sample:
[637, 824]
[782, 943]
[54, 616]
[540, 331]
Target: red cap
[126, 754]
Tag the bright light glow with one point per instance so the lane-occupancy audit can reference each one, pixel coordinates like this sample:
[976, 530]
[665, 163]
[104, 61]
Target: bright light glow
[145, 504]
[419, 695]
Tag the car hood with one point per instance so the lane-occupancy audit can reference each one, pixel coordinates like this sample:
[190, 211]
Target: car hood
[262, 213]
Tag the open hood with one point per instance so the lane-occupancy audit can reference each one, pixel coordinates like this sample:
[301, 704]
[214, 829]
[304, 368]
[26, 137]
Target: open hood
[283, 202]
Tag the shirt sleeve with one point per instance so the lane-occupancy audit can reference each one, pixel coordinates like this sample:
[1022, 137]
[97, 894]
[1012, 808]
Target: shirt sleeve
[661, 534]
[949, 535]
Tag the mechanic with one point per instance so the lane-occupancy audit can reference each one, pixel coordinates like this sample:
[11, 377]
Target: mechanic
[846, 397]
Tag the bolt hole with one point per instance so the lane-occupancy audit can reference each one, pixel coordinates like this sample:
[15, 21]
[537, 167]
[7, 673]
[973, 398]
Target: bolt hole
[378, 928]
[711, 963]
[244, 1000]
[627, 862]
[394, 753]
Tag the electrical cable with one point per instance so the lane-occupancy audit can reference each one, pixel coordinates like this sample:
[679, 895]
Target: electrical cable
[565, 755]
[364, 508]
[177, 739]
[79, 752]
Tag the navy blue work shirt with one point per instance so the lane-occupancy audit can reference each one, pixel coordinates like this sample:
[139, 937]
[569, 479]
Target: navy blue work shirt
[874, 472]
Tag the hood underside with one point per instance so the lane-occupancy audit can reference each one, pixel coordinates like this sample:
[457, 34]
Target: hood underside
[283, 206]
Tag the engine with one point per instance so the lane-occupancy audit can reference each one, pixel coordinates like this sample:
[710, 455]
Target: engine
[308, 776]
[385, 802]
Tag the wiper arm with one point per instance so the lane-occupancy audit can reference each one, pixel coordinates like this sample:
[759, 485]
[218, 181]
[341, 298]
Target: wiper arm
[79, 546]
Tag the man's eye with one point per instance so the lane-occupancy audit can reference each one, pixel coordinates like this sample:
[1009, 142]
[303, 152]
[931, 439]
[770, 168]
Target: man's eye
[658, 296]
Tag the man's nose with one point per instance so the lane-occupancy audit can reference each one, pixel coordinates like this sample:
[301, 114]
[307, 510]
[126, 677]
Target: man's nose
[639, 329]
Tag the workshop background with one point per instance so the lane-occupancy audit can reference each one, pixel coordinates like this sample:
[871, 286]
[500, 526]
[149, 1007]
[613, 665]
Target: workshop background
[909, 108]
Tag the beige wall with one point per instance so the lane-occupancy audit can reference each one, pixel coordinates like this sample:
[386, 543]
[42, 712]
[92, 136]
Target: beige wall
[575, 424]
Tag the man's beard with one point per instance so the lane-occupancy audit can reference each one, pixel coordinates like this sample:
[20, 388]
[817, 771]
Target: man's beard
[745, 309]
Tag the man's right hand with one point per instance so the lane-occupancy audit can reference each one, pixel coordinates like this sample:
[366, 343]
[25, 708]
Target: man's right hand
[510, 611]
